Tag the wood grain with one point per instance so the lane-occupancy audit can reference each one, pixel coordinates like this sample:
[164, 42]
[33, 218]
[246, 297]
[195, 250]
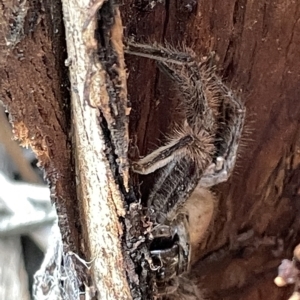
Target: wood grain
[257, 217]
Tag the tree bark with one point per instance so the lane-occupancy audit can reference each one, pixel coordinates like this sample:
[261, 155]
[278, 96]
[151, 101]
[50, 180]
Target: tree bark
[98, 125]
[33, 89]
[257, 216]
[256, 220]
[89, 131]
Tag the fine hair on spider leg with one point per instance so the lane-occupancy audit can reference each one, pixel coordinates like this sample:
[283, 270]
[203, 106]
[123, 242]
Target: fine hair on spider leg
[210, 107]
[201, 154]
[195, 138]
[183, 142]
[245, 143]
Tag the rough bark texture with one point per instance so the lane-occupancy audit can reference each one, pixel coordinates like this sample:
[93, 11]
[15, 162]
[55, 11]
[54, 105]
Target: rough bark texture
[33, 89]
[99, 112]
[256, 222]
[257, 217]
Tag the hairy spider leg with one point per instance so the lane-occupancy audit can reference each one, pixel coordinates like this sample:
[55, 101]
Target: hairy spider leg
[232, 114]
[227, 109]
[192, 154]
[183, 68]
[230, 131]
[194, 138]
[158, 53]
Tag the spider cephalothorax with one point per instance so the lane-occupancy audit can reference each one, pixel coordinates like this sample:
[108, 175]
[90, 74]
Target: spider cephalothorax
[199, 155]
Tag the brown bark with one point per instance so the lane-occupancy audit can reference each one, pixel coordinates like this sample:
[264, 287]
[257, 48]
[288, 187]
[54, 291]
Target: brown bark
[36, 91]
[257, 43]
[100, 133]
[256, 222]
[33, 89]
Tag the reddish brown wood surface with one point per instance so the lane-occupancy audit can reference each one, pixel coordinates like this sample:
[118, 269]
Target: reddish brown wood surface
[257, 44]
[33, 81]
